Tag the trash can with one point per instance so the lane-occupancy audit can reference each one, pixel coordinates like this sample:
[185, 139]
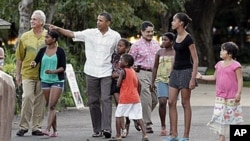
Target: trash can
[7, 105]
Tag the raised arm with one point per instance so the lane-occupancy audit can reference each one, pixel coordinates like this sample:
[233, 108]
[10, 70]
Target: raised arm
[62, 31]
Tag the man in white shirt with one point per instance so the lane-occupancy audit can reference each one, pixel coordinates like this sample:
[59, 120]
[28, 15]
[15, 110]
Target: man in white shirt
[100, 43]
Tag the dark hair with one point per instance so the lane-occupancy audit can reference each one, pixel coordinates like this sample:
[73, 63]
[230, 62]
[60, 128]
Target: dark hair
[169, 35]
[146, 24]
[128, 59]
[106, 15]
[53, 34]
[184, 18]
[126, 42]
[231, 48]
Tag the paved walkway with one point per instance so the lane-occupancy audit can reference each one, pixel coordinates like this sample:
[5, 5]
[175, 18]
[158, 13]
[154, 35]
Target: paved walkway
[75, 125]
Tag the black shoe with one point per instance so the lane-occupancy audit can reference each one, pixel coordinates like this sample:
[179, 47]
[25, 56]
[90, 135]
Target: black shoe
[149, 130]
[97, 134]
[106, 133]
[21, 132]
[137, 126]
[37, 133]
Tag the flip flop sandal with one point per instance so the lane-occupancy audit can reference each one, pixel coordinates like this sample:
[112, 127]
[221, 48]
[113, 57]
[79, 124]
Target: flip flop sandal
[55, 134]
[46, 132]
[145, 138]
[172, 139]
[163, 132]
[184, 139]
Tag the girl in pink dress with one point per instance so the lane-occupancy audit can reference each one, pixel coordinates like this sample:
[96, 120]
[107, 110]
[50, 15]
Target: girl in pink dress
[229, 82]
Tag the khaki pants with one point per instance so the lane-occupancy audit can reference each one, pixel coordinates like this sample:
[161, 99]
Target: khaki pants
[33, 105]
[148, 99]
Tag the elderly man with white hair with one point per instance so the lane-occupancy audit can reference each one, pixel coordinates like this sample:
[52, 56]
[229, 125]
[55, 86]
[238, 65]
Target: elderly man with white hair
[33, 101]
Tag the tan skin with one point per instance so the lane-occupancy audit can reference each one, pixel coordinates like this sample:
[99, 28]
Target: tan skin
[53, 94]
[148, 33]
[166, 50]
[185, 93]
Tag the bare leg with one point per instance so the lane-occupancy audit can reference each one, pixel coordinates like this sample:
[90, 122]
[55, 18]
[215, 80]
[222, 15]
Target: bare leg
[54, 96]
[162, 111]
[54, 125]
[118, 126]
[185, 96]
[116, 96]
[143, 128]
[173, 116]
[127, 124]
[46, 93]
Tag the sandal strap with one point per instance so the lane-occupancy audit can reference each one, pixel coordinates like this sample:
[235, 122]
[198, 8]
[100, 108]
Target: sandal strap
[169, 138]
[184, 139]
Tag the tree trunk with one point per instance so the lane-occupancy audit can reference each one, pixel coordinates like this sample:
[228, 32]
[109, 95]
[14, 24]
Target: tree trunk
[51, 10]
[25, 9]
[166, 19]
[203, 13]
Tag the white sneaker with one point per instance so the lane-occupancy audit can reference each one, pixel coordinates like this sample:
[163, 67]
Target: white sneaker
[124, 133]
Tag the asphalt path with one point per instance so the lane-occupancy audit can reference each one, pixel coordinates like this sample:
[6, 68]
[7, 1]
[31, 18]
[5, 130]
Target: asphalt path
[75, 124]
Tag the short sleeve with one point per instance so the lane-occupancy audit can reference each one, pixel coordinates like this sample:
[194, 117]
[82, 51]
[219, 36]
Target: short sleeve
[190, 40]
[236, 65]
[20, 50]
[79, 36]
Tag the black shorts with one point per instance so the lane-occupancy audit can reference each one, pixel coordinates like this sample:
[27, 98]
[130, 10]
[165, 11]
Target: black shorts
[180, 79]
[114, 88]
